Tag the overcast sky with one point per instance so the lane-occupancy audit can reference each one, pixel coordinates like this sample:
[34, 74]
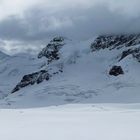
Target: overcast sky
[27, 22]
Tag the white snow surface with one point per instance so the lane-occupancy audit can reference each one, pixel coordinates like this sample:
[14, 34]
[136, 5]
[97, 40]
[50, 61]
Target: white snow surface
[72, 122]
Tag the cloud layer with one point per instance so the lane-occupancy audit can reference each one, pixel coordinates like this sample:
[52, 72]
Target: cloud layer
[79, 19]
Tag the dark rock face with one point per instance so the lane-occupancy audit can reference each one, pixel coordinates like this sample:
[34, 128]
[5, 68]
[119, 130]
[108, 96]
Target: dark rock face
[134, 52]
[126, 53]
[31, 79]
[51, 51]
[116, 70]
[115, 41]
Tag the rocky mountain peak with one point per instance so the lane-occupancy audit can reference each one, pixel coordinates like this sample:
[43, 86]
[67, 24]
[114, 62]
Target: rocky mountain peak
[51, 51]
[128, 42]
[115, 41]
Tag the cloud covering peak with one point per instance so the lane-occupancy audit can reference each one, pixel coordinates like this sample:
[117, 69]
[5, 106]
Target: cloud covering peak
[36, 20]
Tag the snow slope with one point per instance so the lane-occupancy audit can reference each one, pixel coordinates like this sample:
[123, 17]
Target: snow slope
[85, 78]
[81, 103]
[71, 122]
[12, 68]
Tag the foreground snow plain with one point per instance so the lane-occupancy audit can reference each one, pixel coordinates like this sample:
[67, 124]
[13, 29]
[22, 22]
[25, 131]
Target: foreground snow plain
[72, 122]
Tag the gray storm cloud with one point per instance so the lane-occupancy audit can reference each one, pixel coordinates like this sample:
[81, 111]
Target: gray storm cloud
[79, 22]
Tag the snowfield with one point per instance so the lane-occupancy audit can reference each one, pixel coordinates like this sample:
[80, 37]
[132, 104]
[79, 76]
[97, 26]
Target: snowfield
[72, 122]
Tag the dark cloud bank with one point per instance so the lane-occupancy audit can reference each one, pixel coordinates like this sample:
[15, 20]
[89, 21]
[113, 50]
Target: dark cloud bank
[39, 23]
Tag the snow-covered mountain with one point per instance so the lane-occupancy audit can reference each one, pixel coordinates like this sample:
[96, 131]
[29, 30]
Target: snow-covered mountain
[104, 69]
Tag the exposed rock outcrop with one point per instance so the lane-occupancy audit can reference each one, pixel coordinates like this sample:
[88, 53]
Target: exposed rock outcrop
[116, 70]
[134, 52]
[115, 41]
[119, 41]
[51, 51]
[31, 79]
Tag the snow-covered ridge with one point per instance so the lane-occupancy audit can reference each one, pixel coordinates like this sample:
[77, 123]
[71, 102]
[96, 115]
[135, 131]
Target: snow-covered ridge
[131, 42]
[79, 72]
[115, 41]
[52, 53]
